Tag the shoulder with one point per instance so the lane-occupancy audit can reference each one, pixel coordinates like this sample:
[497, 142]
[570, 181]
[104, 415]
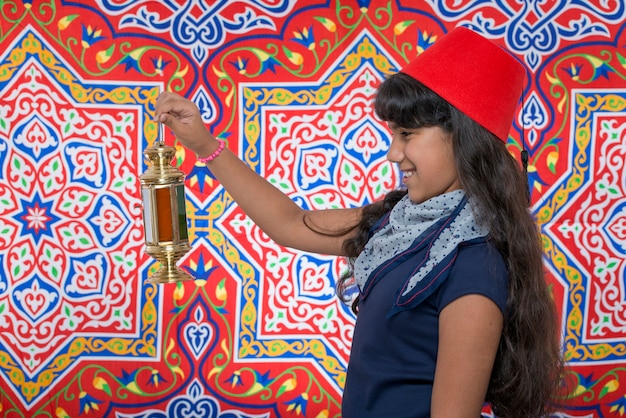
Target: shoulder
[480, 257]
[478, 269]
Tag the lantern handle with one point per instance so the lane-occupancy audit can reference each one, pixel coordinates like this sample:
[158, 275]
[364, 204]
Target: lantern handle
[161, 134]
[160, 139]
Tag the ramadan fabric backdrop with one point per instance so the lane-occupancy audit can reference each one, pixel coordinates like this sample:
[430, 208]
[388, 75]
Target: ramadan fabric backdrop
[289, 86]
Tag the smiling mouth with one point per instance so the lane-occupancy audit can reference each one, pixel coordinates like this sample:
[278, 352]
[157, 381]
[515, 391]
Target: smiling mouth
[407, 174]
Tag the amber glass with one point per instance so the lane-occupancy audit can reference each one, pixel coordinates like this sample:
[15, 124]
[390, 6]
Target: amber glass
[164, 214]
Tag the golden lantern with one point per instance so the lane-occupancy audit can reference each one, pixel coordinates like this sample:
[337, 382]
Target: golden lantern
[164, 213]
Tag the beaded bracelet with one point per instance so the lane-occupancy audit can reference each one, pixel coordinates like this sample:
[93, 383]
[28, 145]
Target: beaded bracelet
[217, 152]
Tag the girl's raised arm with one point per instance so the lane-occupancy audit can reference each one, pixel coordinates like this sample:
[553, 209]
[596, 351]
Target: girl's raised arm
[321, 231]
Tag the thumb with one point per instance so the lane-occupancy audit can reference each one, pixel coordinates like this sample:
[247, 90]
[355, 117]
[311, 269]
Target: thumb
[165, 119]
[169, 121]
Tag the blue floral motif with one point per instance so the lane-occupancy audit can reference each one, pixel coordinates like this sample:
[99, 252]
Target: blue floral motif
[37, 217]
[199, 332]
[535, 30]
[194, 404]
[36, 298]
[196, 26]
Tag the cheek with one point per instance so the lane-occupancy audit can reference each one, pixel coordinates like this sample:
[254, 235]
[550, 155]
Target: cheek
[440, 165]
[434, 157]
[447, 157]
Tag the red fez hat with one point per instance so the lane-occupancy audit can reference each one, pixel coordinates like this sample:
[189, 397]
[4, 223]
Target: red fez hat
[475, 75]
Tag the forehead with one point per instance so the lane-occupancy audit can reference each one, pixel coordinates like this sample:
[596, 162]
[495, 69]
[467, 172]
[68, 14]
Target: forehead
[394, 126]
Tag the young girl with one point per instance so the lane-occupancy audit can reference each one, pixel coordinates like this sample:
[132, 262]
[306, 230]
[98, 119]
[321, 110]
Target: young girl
[453, 308]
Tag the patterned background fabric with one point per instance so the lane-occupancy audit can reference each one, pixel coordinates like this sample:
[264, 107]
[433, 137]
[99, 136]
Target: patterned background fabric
[288, 85]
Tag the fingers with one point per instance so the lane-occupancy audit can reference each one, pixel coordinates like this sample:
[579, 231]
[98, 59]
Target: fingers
[162, 116]
[173, 110]
[183, 118]
[178, 107]
[165, 103]
[161, 109]
[167, 120]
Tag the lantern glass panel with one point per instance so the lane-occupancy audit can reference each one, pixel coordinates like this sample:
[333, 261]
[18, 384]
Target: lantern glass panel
[164, 214]
[182, 212]
[148, 210]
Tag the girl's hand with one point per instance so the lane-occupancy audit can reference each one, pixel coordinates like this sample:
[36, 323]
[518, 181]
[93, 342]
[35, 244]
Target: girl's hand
[182, 116]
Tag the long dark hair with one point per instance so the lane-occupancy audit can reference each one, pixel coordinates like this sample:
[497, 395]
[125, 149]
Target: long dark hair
[528, 366]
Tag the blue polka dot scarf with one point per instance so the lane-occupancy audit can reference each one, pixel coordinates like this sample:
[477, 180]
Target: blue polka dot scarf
[439, 225]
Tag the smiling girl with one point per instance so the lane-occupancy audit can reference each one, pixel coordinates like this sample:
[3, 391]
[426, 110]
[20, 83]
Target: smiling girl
[453, 309]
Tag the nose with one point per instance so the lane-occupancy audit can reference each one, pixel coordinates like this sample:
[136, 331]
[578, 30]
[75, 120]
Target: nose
[395, 154]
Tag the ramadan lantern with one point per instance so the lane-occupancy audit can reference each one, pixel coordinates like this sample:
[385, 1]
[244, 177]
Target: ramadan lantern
[164, 213]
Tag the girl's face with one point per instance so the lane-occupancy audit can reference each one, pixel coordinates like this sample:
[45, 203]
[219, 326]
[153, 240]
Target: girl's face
[426, 160]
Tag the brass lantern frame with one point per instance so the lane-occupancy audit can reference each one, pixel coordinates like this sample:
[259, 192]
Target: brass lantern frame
[164, 213]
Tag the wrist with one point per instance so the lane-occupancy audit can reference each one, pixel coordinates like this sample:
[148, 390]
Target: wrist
[206, 158]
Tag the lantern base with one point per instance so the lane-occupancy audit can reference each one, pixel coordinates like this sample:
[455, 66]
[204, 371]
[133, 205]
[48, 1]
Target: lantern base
[169, 273]
[168, 254]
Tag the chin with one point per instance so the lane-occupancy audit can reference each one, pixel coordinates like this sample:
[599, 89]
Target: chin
[417, 198]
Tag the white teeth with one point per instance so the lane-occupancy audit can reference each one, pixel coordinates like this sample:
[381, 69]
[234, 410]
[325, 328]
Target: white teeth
[408, 173]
